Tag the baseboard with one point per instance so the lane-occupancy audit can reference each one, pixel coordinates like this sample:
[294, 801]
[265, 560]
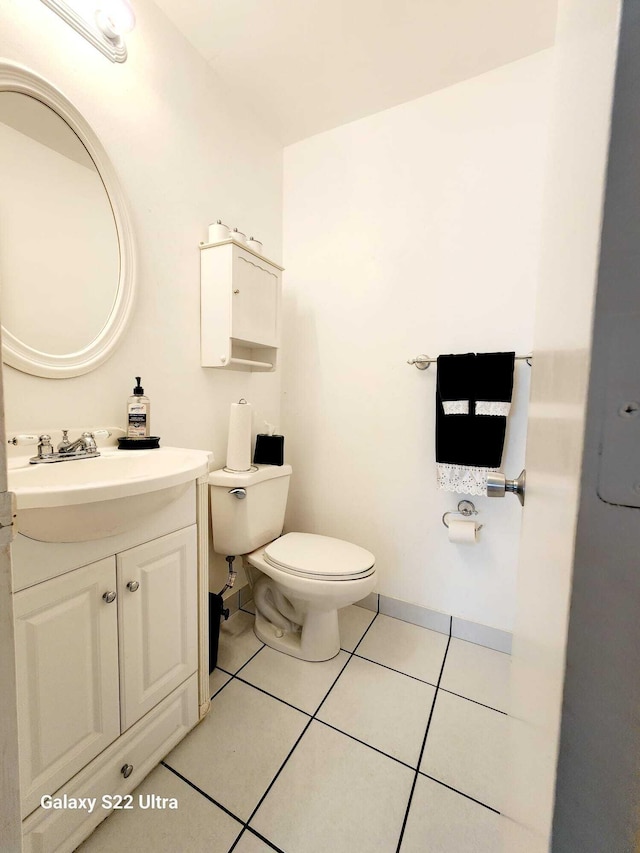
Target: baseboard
[234, 599]
[462, 629]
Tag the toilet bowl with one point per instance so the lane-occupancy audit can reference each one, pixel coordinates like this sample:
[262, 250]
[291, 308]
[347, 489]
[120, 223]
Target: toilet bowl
[304, 578]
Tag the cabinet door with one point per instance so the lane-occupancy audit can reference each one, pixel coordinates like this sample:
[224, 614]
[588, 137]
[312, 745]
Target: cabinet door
[158, 624]
[67, 667]
[255, 302]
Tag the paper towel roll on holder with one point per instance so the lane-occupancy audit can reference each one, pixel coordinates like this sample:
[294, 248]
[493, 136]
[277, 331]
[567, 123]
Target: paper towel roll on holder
[465, 508]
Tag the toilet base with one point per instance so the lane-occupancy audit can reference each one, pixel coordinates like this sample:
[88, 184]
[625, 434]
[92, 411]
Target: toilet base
[318, 640]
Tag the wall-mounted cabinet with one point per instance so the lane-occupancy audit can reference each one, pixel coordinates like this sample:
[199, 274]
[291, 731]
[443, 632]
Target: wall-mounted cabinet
[240, 307]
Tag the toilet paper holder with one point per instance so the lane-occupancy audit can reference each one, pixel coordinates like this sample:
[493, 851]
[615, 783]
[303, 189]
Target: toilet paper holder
[465, 508]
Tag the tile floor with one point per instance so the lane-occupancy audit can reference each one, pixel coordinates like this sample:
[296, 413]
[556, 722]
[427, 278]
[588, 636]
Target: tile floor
[394, 746]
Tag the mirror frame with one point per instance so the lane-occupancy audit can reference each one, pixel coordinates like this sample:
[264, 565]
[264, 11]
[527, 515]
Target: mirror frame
[16, 78]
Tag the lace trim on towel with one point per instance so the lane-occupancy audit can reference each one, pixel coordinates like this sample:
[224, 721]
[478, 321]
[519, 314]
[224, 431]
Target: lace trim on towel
[492, 407]
[456, 407]
[463, 479]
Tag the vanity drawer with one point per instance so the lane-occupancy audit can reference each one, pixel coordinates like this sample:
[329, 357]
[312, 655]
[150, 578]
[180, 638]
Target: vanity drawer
[143, 746]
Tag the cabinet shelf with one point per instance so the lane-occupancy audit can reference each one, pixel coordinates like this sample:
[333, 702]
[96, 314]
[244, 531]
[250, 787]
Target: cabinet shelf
[253, 365]
[240, 307]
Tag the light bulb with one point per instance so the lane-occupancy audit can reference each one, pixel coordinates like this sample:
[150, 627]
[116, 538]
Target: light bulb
[115, 17]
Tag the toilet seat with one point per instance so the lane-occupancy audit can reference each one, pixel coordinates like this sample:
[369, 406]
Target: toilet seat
[319, 557]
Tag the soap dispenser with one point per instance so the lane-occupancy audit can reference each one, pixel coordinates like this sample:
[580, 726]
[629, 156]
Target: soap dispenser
[138, 413]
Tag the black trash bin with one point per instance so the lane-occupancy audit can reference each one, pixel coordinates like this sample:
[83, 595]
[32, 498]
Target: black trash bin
[217, 611]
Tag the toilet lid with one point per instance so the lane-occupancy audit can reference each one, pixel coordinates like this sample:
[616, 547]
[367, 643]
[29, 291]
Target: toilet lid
[321, 557]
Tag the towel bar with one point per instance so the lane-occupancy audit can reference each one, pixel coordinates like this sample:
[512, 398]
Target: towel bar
[423, 361]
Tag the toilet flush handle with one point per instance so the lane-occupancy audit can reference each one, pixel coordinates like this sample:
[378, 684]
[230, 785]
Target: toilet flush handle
[240, 494]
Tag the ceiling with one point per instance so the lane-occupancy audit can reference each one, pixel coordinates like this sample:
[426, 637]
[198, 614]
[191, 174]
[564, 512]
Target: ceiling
[305, 66]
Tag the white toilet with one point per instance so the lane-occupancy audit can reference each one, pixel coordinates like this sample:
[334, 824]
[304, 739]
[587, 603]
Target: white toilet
[305, 578]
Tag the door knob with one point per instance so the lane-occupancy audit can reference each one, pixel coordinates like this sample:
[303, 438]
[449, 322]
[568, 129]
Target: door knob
[498, 485]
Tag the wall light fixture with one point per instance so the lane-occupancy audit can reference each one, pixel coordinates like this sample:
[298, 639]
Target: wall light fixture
[103, 23]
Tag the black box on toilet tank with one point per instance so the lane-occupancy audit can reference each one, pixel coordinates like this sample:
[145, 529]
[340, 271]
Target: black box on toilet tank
[269, 450]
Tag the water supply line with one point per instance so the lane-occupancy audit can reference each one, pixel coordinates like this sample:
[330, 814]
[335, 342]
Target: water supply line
[232, 576]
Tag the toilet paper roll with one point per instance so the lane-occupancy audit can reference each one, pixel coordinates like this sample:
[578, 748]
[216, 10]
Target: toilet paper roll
[463, 532]
[218, 231]
[239, 441]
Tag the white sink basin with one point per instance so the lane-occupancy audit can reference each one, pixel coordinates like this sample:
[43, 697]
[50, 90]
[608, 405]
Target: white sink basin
[83, 499]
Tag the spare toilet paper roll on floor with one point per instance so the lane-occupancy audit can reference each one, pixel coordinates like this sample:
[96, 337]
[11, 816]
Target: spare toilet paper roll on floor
[239, 441]
[463, 532]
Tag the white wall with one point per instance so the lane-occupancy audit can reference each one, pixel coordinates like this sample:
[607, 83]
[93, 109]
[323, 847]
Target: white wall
[186, 154]
[414, 230]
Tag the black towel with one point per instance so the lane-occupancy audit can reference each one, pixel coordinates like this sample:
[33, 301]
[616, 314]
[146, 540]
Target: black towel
[472, 441]
[494, 381]
[455, 379]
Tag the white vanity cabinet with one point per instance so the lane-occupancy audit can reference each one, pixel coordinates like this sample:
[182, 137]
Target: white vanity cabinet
[140, 607]
[111, 666]
[240, 307]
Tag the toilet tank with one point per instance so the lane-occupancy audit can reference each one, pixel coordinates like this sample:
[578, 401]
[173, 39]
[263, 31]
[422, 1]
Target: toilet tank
[242, 524]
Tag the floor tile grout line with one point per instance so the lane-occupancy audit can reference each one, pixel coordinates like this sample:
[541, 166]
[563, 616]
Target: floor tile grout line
[364, 743]
[272, 696]
[424, 743]
[393, 669]
[313, 715]
[255, 654]
[222, 808]
[233, 676]
[457, 791]
[250, 829]
[228, 681]
[235, 843]
[200, 791]
[344, 667]
[475, 701]
[246, 825]
[352, 737]
[263, 838]
[365, 633]
[369, 660]
[266, 693]
[280, 769]
[292, 750]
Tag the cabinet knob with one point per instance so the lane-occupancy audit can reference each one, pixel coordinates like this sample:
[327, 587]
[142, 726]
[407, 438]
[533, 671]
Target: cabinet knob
[133, 586]
[109, 597]
[236, 291]
[126, 770]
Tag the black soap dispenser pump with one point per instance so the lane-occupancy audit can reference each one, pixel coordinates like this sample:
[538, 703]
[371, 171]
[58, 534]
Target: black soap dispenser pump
[138, 413]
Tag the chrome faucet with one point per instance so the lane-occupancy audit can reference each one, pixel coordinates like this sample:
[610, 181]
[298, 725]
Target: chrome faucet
[82, 448]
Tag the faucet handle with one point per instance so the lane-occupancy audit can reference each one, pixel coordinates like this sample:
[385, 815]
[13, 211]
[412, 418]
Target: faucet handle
[18, 440]
[44, 447]
[65, 440]
[89, 440]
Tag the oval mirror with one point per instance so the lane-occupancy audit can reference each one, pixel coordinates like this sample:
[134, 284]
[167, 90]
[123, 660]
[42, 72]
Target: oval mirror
[66, 250]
